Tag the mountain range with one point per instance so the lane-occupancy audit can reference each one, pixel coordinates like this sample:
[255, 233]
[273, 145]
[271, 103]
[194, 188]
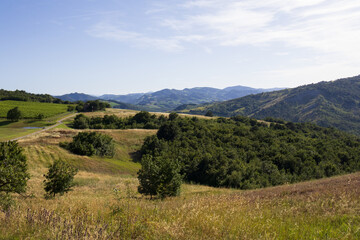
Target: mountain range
[169, 99]
[329, 104]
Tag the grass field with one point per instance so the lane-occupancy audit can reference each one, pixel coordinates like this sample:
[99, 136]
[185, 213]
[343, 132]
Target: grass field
[32, 109]
[105, 205]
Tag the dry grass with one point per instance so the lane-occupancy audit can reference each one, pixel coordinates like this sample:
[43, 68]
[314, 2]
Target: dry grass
[325, 209]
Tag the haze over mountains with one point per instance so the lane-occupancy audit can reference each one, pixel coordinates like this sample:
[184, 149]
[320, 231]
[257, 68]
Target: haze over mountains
[169, 99]
[328, 104]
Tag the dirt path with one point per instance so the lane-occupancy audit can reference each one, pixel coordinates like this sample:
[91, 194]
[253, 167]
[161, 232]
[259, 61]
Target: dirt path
[46, 128]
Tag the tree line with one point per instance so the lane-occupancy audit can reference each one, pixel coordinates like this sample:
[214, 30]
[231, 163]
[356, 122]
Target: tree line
[142, 119]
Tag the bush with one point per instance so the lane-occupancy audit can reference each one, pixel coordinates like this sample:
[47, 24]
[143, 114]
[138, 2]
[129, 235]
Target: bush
[40, 116]
[91, 143]
[14, 114]
[159, 177]
[59, 179]
[13, 171]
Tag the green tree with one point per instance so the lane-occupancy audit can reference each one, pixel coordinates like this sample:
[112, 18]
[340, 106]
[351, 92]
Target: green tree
[59, 179]
[14, 114]
[159, 176]
[90, 143]
[13, 171]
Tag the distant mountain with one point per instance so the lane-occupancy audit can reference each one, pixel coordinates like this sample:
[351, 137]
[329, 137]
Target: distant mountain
[169, 99]
[328, 104]
[131, 98]
[73, 97]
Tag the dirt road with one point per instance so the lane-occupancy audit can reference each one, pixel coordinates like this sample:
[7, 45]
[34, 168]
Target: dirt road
[46, 128]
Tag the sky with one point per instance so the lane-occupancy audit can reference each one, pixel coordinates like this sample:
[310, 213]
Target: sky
[129, 46]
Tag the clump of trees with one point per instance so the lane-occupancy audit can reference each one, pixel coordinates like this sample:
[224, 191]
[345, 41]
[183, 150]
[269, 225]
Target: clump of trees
[14, 114]
[59, 178]
[91, 143]
[91, 106]
[13, 172]
[142, 119]
[244, 153]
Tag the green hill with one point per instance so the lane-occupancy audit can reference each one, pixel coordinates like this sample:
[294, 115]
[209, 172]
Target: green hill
[328, 104]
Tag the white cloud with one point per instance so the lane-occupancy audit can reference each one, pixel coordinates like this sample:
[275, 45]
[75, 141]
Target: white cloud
[330, 28]
[113, 32]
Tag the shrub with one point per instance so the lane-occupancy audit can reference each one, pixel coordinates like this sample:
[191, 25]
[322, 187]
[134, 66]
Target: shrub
[91, 143]
[59, 179]
[159, 177]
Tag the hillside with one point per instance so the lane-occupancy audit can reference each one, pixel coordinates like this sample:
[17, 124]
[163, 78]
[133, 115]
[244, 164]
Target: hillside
[328, 104]
[104, 203]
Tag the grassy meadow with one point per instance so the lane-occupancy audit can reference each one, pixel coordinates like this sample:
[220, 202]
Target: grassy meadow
[104, 204]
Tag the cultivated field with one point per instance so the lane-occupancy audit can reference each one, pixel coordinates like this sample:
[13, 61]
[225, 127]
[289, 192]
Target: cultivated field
[105, 204]
[32, 109]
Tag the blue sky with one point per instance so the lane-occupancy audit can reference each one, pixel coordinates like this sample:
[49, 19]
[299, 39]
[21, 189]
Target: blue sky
[124, 46]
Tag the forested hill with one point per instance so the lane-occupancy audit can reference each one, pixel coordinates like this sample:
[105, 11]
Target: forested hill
[245, 153]
[73, 97]
[20, 95]
[328, 104]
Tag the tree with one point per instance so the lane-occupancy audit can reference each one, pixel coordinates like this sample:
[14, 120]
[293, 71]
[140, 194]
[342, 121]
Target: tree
[59, 178]
[168, 131]
[13, 170]
[159, 176]
[14, 114]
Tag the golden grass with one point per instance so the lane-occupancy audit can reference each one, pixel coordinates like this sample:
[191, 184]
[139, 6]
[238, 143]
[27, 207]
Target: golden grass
[324, 209]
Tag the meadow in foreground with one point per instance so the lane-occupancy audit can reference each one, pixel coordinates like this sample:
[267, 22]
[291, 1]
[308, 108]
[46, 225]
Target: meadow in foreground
[106, 205]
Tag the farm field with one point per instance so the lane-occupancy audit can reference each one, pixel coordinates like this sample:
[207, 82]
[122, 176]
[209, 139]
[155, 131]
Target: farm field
[10, 130]
[32, 109]
[105, 204]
